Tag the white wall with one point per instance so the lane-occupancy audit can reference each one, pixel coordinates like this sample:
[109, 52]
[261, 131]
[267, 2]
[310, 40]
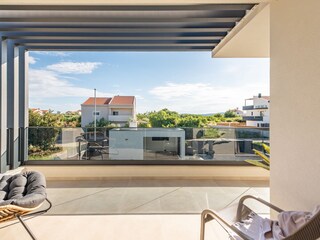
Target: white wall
[122, 111]
[87, 114]
[295, 85]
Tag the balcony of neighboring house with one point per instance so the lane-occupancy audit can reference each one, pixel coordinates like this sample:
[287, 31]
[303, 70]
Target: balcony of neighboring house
[253, 118]
[252, 107]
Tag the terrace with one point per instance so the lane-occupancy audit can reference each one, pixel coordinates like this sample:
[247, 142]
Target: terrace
[155, 197]
[135, 208]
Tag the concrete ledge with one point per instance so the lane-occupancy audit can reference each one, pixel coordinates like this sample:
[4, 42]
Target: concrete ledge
[107, 172]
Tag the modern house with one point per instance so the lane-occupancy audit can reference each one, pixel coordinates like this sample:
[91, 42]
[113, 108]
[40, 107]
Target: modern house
[140, 143]
[256, 113]
[153, 199]
[118, 109]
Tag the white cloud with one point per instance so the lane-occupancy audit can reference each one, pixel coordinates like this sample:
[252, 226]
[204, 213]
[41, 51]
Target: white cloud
[48, 84]
[203, 97]
[53, 53]
[139, 97]
[74, 67]
[32, 60]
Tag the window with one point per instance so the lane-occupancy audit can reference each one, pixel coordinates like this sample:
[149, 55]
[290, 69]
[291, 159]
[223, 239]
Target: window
[160, 139]
[96, 113]
[251, 113]
[114, 113]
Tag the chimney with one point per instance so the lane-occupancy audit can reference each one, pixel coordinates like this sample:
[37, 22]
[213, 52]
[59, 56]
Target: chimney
[259, 95]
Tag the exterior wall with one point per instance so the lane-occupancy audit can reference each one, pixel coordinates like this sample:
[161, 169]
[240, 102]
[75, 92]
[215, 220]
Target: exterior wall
[182, 172]
[295, 71]
[256, 112]
[260, 102]
[122, 111]
[87, 114]
[125, 113]
[252, 123]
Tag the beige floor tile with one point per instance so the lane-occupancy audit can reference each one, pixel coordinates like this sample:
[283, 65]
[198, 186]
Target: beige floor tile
[138, 209]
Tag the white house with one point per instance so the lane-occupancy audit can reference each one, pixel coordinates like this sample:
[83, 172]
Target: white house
[134, 143]
[237, 112]
[256, 114]
[118, 109]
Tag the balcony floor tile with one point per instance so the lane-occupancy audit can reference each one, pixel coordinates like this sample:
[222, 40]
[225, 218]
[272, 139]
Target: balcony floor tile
[134, 209]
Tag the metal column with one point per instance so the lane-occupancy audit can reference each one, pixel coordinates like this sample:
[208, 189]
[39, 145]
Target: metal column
[3, 106]
[23, 104]
[13, 103]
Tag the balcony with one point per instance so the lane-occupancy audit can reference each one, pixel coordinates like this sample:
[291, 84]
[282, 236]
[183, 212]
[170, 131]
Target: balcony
[252, 118]
[135, 209]
[119, 118]
[216, 145]
[252, 107]
[249, 107]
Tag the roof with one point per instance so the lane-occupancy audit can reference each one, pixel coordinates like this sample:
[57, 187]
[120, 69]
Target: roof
[197, 25]
[99, 101]
[250, 38]
[116, 100]
[122, 100]
[264, 97]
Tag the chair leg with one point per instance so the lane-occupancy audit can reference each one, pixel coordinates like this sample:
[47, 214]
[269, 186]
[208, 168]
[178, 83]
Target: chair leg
[26, 227]
[202, 229]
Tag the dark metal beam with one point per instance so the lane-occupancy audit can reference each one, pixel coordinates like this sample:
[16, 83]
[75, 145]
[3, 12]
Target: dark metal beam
[118, 25]
[122, 49]
[193, 7]
[124, 40]
[97, 35]
[81, 30]
[120, 45]
[120, 20]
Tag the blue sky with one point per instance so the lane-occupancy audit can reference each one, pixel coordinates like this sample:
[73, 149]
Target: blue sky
[187, 82]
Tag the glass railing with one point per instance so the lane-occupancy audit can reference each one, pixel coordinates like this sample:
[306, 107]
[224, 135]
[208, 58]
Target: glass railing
[154, 144]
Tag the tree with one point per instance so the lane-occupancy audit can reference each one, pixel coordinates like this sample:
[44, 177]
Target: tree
[102, 122]
[48, 128]
[229, 114]
[163, 118]
[192, 121]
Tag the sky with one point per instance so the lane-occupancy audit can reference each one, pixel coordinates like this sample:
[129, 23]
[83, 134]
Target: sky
[186, 82]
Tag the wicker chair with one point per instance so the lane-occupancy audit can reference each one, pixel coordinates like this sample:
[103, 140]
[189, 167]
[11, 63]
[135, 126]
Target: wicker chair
[309, 231]
[21, 195]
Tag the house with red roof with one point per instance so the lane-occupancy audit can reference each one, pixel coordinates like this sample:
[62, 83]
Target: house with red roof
[117, 109]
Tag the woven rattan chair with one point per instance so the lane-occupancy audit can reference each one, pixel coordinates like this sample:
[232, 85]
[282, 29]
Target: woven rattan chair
[309, 231]
[22, 195]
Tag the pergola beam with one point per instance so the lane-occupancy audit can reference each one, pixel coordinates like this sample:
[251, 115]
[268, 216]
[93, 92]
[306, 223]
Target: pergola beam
[121, 20]
[193, 7]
